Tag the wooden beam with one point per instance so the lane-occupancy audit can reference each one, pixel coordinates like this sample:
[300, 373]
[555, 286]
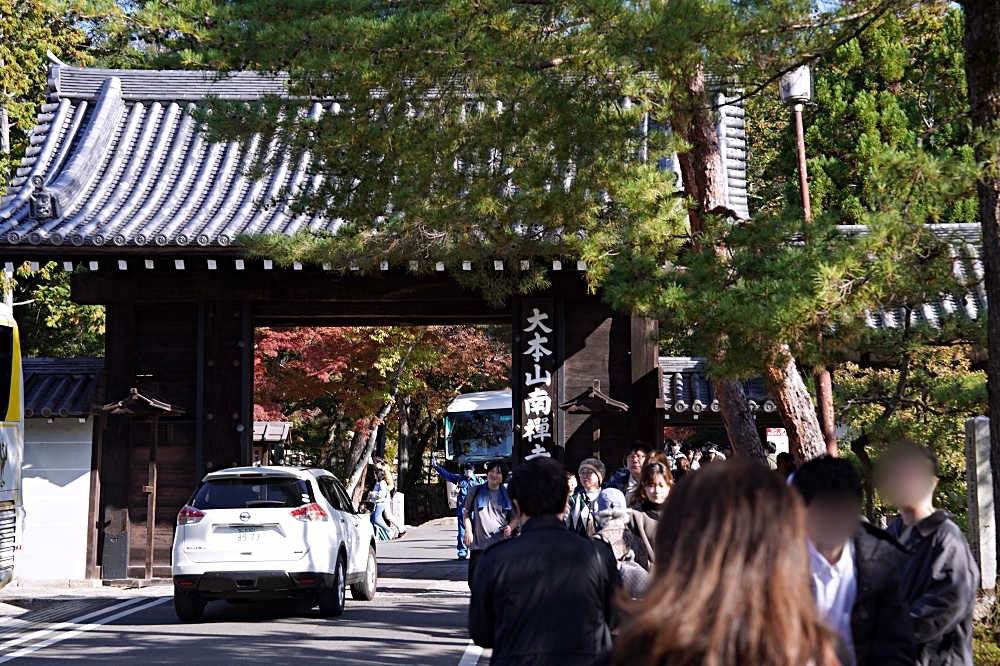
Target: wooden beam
[302, 313]
[194, 284]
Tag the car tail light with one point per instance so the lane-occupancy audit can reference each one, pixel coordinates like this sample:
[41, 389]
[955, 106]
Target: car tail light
[189, 515]
[310, 513]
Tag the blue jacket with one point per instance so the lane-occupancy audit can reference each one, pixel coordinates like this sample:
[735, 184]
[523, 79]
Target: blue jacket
[464, 484]
[618, 480]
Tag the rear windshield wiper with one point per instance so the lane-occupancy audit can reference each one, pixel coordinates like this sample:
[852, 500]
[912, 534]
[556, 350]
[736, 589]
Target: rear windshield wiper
[253, 503]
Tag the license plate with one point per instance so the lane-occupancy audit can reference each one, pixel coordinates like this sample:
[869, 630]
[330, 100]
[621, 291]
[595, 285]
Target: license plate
[246, 534]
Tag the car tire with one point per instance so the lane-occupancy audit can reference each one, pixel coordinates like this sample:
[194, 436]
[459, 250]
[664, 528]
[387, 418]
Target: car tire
[332, 599]
[188, 606]
[365, 590]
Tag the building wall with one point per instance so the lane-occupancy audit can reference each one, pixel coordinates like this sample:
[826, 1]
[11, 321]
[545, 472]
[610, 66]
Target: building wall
[56, 496]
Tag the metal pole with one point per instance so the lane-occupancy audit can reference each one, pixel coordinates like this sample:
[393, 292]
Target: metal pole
[154, 426]
[824, 382]
[800, 141]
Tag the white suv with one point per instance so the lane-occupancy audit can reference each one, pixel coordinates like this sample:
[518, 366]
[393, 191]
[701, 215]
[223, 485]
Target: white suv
[253, 533]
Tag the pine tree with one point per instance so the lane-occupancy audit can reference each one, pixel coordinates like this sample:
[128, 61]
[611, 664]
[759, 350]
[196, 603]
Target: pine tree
[900, 84]
[509, 129]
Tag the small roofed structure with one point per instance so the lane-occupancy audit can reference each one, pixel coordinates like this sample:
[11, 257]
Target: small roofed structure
[270, 441]
[594, 402]
[141, 403]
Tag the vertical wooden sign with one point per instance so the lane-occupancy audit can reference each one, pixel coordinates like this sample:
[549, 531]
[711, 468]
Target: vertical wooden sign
[538, 379]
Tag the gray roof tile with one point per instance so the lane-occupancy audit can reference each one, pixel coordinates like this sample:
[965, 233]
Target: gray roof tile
[61, 387]
[123, 165]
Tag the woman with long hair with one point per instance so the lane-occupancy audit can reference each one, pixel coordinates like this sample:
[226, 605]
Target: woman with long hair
[732, 584]
[654, 488]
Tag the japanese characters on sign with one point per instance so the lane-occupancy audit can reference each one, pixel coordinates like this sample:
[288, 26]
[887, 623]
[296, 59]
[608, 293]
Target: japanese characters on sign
[538, 388]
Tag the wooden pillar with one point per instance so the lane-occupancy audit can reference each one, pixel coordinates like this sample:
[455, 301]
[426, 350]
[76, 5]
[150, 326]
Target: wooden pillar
[245, 344]
[94, 530]
[150, 489]
[119, 360]
[646, 422]
[226, 434]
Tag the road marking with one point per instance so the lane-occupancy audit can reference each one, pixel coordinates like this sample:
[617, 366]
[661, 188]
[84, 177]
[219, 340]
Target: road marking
[471, 656]
[69, 623]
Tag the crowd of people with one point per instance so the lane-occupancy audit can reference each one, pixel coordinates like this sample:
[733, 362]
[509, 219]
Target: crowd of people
[676, 560]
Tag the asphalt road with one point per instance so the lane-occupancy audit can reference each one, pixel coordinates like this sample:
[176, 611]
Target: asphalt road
[418, 617]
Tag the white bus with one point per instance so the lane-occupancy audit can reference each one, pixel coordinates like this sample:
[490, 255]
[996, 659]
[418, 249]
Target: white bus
[11, 441]
[478, 427]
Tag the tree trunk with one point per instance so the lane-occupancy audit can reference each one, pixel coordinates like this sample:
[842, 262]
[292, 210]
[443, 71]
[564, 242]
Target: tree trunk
[703, 173]
[403, 447]
[824, 405]
[354, 451]
[805, 439]
[360, 468]
[740, 425]
[860, 448]
[982, 74]
[419, 443]
[359, 465]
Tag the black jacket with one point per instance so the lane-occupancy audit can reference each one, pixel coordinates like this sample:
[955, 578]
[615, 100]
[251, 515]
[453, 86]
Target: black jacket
[880, 619]
[940, 580]
[544, 598]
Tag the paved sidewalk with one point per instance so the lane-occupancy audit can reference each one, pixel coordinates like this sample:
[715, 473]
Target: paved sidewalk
[418, 618]
[422, 560]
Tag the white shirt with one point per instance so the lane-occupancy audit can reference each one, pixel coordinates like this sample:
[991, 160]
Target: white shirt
[630, 489]
[835, 587]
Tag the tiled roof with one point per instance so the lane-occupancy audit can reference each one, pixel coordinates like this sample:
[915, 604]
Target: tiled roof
[271, 431]
[967, 268]
[61, 387]
[121, 164]
[687, 389]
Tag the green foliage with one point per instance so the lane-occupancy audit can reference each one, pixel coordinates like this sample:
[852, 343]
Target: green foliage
[920, 391]
[480, 131]
[50, 324]
[900, 84]
[986, 638]
[29, 28]
[811, 286]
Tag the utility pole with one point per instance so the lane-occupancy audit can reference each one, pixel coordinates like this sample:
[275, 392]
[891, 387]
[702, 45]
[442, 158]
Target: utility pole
[796, 90]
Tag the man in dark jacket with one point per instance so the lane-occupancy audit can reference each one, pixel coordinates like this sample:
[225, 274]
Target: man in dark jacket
[544, 598]
[940, 577]
[855, 568]
[626, 479]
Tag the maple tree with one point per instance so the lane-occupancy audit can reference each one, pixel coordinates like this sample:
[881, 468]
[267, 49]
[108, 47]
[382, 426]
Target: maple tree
[339, 383]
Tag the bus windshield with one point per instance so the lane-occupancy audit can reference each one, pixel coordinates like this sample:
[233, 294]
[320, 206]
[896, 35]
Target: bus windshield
[484, 433]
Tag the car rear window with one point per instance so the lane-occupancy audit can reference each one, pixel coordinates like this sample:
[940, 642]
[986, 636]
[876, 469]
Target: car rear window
[261, 493]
